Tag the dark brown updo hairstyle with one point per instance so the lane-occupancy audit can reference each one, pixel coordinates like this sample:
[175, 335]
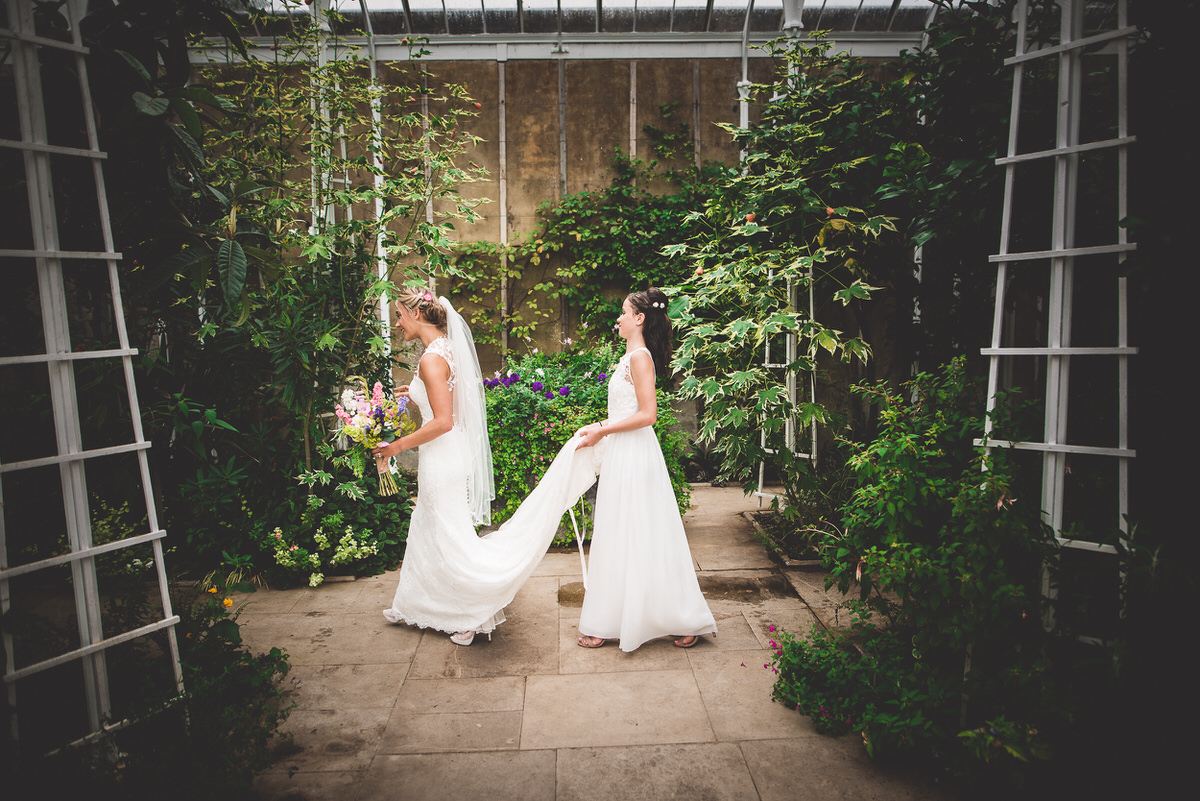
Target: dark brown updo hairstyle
[419, 298]
[656, 328]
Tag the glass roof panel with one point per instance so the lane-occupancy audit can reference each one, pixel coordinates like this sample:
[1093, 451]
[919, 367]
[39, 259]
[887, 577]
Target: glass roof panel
[579, 16]
[617, 16]
[541, 16]
[501, 16]
[689, 15]
[767, 16]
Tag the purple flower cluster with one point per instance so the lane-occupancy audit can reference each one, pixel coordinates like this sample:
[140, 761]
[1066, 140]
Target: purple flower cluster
[503, 381]
[536, 386]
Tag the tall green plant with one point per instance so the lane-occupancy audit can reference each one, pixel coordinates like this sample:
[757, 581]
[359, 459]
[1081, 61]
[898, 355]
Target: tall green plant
[257, 307]
[797, 218]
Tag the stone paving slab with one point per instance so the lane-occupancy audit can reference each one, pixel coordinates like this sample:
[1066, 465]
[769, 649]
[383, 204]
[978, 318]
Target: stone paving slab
[490, 775]
[651, 773]
[830, 769]
[468, 731]
[602, 709]
[735, 687]
[331, 739]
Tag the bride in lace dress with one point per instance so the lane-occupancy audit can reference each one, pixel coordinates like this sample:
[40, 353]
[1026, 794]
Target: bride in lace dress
[641, 578]
[451, 579]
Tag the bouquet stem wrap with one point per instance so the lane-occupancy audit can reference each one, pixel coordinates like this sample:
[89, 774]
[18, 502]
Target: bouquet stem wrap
[387, 484]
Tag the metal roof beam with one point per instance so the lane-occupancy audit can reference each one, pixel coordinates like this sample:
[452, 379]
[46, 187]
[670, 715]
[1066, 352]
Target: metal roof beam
[613, 46]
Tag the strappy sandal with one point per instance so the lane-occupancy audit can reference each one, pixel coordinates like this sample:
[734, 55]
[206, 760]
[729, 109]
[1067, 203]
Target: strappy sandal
[591, 642]
[683, 642]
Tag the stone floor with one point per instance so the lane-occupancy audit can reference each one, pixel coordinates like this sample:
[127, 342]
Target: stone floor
[392, 712]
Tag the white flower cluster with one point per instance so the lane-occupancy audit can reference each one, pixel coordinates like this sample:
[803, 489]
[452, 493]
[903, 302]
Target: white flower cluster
[658, 304]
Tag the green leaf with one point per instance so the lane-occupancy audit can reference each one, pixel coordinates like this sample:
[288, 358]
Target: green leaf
[150, 106]
[231, 269]
[188, 115]
[132, 61]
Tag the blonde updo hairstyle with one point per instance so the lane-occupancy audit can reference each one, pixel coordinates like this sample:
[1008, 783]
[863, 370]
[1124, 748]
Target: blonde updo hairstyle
[421, 299]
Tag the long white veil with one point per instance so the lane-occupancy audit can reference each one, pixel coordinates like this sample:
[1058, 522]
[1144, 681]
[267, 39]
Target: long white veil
[471, 413]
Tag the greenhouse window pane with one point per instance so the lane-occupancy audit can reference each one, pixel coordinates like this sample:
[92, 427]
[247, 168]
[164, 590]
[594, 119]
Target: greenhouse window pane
[501, 16]
[579, 16]
[464, 16]
[767, 16]
[618, 16]
[729, 15]
[541, 16]
[689, 15]
[911, 15]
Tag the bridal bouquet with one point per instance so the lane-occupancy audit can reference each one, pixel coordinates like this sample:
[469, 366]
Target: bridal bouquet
[366, 422]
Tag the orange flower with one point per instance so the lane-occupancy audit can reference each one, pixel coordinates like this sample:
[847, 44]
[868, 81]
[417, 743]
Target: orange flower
[228, 602]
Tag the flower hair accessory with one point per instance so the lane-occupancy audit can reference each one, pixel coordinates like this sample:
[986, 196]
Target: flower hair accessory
[427, 297]
[658, 304]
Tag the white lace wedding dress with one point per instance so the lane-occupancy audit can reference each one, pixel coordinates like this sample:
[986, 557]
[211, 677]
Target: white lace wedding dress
[641, 578]
[452, 579]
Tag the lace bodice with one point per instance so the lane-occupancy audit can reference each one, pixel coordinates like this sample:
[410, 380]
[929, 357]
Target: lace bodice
[622, 397]
[440, 346]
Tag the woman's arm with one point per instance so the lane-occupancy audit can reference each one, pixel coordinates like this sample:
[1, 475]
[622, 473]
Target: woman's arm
[434, 372]
[641, 371]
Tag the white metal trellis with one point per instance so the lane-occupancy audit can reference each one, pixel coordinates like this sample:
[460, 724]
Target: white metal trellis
[1061, 257]
[792, 381]
[59, 358]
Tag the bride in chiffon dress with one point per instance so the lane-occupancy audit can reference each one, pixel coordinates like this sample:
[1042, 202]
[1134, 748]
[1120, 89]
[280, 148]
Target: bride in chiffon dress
[641, 578]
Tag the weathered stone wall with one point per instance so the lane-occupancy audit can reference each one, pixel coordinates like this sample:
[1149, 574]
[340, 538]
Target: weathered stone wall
[596, 108]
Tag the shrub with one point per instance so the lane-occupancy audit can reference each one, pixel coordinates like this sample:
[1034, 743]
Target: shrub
[348, 529]
[540, 400]
[948, 636]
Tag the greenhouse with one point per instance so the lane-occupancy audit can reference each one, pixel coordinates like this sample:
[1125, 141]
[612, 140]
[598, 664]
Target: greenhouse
[890, 287]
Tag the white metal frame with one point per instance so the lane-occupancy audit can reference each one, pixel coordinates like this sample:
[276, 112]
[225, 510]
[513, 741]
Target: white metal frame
[1061, 257]
[59, 360]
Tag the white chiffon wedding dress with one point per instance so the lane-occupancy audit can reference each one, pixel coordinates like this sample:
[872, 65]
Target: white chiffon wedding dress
[642, 583]
[641, 578]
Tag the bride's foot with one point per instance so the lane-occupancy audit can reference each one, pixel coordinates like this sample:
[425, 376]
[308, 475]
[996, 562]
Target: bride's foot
[687, 642]
[391, 616]
[463, 638]
[591, 642]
